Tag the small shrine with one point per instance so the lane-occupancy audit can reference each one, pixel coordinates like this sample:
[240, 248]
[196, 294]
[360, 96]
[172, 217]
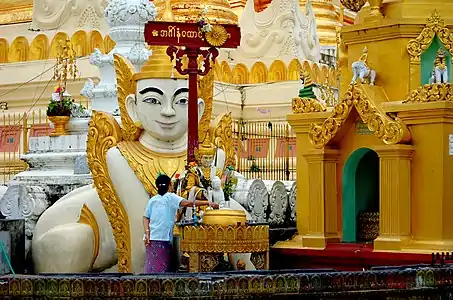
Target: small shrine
[374, 170]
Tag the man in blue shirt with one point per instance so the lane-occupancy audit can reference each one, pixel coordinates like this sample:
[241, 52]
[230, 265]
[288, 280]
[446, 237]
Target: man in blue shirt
[158, 223]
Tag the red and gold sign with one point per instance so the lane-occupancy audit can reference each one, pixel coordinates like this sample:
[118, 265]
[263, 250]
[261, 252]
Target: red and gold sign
[190, 35]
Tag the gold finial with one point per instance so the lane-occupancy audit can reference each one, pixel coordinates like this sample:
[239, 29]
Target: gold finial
[159, 65]
[66, 64]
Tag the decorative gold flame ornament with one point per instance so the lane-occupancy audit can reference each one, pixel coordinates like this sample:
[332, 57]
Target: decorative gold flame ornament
[217, 37]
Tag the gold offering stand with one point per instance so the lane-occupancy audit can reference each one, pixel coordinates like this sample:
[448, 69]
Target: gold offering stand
[224, 231]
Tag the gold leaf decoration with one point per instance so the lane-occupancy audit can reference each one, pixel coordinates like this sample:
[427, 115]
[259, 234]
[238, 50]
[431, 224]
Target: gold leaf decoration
[225, 239]
[431, 93]
[126, 86]
[354, 5]
[88, 218]
[390, 131]
[435, 26]
[307, 105]
[103, 134]
[217, 37]
[205, 92]
[222, 137]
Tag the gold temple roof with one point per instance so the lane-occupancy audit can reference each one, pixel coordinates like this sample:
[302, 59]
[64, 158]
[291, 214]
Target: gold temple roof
[15, 11]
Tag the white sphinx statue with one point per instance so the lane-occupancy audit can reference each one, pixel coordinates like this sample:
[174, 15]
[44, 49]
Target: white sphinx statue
[440, 71]
[362, 71]
[99, 228]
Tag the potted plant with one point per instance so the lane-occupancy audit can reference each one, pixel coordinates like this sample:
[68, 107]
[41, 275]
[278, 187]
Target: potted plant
[59, 111]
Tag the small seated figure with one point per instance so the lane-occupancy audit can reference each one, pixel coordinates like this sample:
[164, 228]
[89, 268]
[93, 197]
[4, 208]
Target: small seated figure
[440, 70]
[216, 193]
[361, 69]
[307, 86]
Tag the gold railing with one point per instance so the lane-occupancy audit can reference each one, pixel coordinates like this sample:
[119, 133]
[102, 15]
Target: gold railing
[265, 150]
[15, 131]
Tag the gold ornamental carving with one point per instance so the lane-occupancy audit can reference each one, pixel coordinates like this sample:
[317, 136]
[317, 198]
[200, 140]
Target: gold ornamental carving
[354, 5]
[206, 92]
[431, 93]
[307, 105]
[88, 218]
[126, 86]
[21, 14]
[222, 135]
[217, 37]
[435, 26]
[145, 165]
[224, 239]
[103, 134]
[390, 131]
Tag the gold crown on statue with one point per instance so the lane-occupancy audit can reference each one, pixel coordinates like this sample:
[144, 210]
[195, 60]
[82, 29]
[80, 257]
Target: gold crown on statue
[159, 65]
[441, 53]
[206, 148]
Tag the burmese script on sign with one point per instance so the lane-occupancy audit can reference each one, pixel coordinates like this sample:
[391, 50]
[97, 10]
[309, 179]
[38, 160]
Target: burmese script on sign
[186, 34]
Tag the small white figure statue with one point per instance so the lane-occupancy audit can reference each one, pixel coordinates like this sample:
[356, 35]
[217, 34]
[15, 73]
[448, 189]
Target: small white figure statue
[217, 192]
[440, 71]
[362, 71]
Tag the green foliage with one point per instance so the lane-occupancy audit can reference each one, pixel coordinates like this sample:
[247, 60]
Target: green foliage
[60, 108]
[230, 183]
[254, 167]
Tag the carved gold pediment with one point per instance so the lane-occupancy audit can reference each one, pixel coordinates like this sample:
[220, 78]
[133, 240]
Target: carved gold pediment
[435, 26]
[431, 93]
[389, 130]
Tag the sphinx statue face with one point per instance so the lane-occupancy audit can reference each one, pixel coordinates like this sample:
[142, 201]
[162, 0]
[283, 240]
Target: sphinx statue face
[161, 107]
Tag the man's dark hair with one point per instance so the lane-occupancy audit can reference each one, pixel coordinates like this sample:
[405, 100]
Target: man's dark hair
[162, 184]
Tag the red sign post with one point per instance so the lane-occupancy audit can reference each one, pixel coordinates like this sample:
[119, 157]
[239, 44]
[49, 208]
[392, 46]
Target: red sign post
[187, 39]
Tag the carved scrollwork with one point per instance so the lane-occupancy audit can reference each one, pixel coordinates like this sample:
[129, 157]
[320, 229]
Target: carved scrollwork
[222, 133]
[307, 105]
[390, 131]
[208, 262]
[259, 260]
[431, 93]
[103, 134]
[435, 26]
[354, 5]
[205, 92]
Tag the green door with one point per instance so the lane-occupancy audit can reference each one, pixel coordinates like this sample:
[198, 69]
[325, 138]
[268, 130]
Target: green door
[360, 182]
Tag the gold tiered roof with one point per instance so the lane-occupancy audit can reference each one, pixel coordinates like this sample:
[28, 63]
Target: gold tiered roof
[189, 10]
[15, 11]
